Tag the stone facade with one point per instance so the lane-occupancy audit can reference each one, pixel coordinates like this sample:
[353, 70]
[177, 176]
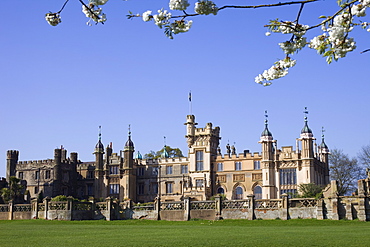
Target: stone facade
[205, 172]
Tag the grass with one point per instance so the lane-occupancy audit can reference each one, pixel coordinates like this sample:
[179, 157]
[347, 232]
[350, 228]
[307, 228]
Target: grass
[190, 233]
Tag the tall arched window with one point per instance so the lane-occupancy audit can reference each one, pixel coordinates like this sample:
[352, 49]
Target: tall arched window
[257, 191]
[238, 193]
[220, 190]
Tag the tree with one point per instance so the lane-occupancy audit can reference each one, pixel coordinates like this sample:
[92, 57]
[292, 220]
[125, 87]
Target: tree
[333, 43]
[345, 170]
[310, 190]
[14, 190]
[172, 153]
[364, 156]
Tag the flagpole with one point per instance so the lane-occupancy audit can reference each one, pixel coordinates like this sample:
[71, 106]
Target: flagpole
[190, 104]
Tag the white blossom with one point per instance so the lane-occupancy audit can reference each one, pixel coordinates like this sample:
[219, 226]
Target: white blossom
[180, 26]
[278, 70]
[206, 7]
[267, 33]
[98, 2]
[162, 18]
[290, 47]
[147, 15]
[94, 14]
[178, 4]
[53, 18]
[358, 10]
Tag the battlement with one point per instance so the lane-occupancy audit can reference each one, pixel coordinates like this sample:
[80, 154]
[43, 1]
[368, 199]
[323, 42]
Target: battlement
[245, 155]
[12, 154]
[36, 162]
[208, 130]
[166, 161]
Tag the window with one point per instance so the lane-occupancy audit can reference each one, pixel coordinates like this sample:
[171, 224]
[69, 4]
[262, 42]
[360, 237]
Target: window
[140, 189]
[238, 166]
[184, 169]
[37, 175]
[113, 170]
[154, 188]
[90, 190]
[66, 177]
[140, 171]
[169, 188]
[155, 171]
[288, 176]
[257, 191]
[290, 193]
[20, 175]
[220, 190]
[47, 174]
[199, 183]
[36, 190]
[114, 189]
[220, 167]
[168, 170]
[257, 165]
[199, 160]
[238, 193]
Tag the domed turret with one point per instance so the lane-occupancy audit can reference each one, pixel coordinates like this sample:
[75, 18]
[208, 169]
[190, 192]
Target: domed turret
[266, 135]
[129, 145]
[306, 132]
[138, 156]
[165, 154]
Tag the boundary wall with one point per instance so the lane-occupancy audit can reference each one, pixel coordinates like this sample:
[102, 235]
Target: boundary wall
[334, 208]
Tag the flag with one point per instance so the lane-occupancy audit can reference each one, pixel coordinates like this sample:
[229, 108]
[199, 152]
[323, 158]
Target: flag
[189, 96]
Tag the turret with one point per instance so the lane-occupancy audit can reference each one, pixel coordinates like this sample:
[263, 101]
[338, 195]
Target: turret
[11, 163]
[306, 174]
[128, 166]
[57, 172]
[99, 153]
[307, 139]
[268, 165]
[190, 129]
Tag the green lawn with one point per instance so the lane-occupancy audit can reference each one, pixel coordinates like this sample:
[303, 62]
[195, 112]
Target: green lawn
[190, 233]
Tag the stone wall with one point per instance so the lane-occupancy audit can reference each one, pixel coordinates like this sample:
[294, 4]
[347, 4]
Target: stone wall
[334, 208]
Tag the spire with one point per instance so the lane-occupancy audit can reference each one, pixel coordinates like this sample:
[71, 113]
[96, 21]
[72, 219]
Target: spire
[323, 147]
[129, 144]
[306, 129]
[99, 145]
[266, 133]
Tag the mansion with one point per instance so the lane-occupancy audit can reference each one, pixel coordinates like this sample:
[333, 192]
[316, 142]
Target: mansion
[204, 173]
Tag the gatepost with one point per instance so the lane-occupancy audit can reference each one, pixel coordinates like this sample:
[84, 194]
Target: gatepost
[251, 207]
[11, 209]
[218, 207]
[186, 208]
[157, 207]
[285, 209]
[46, 203]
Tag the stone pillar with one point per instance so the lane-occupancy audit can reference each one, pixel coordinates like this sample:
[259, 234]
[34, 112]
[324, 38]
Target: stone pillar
[69, 208]
[349, 214]
[320, 209]
[186, 208]
[285, 207]
[11, 209]
[361, 214]
[251, 207]
[334, 207]
[218, 203]
[157, 207]
[109, 209]
[46, 203]
[35, 209]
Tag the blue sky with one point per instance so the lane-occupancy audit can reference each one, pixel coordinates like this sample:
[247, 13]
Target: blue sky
[60, 83]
